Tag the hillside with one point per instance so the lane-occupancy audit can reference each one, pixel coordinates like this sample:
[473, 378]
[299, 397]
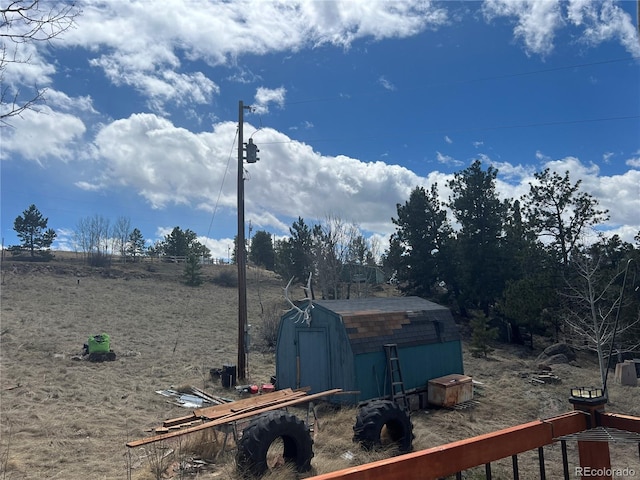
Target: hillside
[63, 418]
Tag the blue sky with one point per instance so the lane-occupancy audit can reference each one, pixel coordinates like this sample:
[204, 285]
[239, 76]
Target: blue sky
[355, 104]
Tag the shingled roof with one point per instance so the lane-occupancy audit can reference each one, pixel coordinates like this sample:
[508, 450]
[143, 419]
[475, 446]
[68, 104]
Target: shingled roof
[406, 321]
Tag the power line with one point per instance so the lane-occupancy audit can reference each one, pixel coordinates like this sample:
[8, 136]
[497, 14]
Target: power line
[224, 176]
[468, 81]
[469, 129]
[541, 124]
[471, 80]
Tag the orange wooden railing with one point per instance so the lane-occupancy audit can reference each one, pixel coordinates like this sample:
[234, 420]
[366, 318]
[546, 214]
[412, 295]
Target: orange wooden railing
[452, 458]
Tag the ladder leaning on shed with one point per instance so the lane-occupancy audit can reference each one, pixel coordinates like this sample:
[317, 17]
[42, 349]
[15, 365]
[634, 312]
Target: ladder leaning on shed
[398, 394]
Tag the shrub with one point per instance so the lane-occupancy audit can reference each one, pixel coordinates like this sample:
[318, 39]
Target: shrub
[481, 337]
[226, 278]
[270, 320]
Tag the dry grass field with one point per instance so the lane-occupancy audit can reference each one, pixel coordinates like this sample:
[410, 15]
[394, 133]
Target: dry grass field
[69, 419]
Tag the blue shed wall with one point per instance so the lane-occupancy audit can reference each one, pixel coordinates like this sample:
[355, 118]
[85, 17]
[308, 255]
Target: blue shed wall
[422, 363]
[321, 356]
[419, 364]
[340, 372]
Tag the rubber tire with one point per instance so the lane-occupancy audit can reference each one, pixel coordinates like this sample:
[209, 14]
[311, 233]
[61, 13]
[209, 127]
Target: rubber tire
[96, 357]
[256, 439]
[373, 416]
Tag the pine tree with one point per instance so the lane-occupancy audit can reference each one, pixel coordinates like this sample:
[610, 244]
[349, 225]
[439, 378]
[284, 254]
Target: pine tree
[482, 336]
[422, 230]
[480, 275]
[183, 244]
[193, 271]
[135, 244]
[262, 252]
[32, 230]
[558, 211]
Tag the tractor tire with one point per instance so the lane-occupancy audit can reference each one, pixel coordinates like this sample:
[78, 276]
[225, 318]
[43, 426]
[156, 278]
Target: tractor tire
[374, 416]
[96, 357]
[263, 431]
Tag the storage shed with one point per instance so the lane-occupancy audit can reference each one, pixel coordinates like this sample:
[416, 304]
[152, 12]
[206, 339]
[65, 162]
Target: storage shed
[343, 346]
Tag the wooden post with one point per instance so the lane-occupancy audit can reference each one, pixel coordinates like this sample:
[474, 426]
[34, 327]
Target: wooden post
[240, 255]
[595, 460]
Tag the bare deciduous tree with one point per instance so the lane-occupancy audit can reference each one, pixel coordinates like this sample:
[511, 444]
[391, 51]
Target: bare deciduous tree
[332, 242]
[24, 22]
[594, 299]
[93, 236]
[121, 231]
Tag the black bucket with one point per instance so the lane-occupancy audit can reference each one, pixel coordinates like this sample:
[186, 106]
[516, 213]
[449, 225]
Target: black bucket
[228, 376]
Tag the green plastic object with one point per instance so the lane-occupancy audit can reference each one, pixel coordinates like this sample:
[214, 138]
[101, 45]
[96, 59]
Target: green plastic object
[99, 343]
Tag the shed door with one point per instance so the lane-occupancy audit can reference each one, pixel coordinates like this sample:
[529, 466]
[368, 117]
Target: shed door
[313, 355]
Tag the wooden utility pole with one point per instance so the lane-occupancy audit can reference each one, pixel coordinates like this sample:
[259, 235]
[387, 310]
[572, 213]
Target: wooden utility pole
[241, 258]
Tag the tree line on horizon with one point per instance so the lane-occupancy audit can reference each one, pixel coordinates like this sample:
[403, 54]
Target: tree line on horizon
[533, 265]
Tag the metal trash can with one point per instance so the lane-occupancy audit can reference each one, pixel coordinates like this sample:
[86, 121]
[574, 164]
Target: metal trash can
[228, 376]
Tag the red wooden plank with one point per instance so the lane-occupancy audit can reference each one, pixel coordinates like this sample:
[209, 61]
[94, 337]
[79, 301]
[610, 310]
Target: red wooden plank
[448, 459]
[621, 422]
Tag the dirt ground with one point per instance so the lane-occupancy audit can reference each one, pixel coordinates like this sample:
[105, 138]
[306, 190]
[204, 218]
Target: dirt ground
[70, 419]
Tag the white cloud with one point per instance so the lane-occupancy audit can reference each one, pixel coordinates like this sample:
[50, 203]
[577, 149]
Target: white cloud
[37, 135]
[448, 160]
[168, 165]
[155, 52]
[25, 74]
[130, 50]
[262, 219]
[448, 140]
[634, 161]
[243, 75]
[538, 21]
[67, 103]
[89, 187]
[159, 83]
[306, 125]
[24, 65]
[265, 96]
[604, 21]
[65, 240]
[607, 156]
[221, 248]
[386, 84]
[165, 164]
[343, 21]
[514, 173]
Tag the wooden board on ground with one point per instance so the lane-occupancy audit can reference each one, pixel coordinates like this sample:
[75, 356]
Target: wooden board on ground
[286, 401]
[226, 409]
[218, 411]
